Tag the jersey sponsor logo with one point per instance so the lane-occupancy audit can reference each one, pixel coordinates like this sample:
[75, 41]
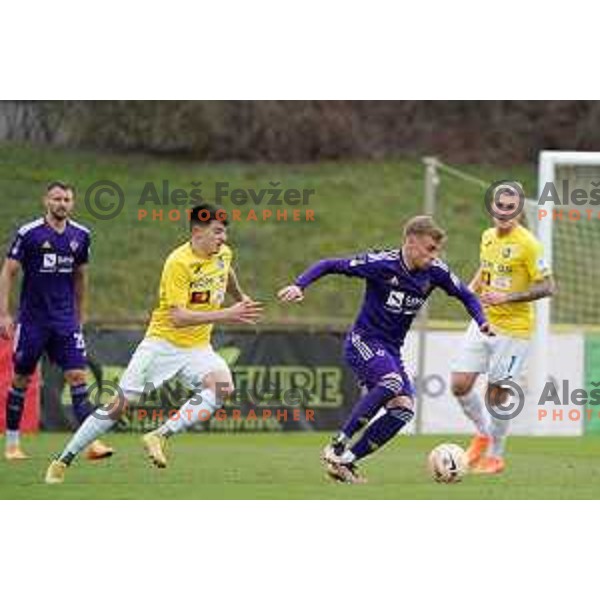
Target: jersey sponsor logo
[205, 281]
[200, 297]
[52, 263]
[49, 261]
[400, 302]
[502, 283]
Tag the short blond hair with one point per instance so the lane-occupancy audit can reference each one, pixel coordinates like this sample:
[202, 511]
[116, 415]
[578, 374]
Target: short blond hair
[424, 225]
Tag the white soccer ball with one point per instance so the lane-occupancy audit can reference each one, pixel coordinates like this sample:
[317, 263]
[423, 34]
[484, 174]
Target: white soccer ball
[446, 463]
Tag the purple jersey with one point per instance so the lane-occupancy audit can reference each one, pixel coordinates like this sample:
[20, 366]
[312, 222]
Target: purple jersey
[393, 293]
[48, 260]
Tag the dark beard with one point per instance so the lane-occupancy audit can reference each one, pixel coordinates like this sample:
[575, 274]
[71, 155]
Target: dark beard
[59, 217]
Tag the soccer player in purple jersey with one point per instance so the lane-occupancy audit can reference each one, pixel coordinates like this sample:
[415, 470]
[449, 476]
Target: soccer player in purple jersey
[398, 282]
[52, 253]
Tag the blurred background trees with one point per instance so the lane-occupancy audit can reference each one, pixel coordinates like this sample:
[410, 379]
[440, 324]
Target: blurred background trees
[498, 132]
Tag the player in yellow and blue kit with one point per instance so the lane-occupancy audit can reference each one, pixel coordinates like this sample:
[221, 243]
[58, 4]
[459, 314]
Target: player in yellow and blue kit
[512, 274]
[194, 281]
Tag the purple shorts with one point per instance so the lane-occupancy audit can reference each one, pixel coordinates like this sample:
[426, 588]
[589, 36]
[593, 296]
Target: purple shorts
[371, 361]
[64, 346]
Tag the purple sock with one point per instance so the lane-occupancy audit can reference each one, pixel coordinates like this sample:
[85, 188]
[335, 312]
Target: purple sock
[381, 431]
[366, 408]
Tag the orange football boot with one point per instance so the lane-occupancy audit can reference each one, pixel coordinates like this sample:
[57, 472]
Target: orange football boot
[476, 450]
[489, 465]
[98, 450]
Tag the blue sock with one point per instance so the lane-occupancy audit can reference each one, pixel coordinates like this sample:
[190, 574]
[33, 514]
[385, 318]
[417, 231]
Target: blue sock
[14, 408]
[382, 431]
[366, 408]
[82, 407]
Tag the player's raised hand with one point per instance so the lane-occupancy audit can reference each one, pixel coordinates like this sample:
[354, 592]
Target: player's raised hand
[6, 326]
[291, 293]
[486, 329]
[246, 311]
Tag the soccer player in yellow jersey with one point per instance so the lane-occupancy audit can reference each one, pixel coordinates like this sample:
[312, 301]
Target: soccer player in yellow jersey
[512, 275]
[195, 279]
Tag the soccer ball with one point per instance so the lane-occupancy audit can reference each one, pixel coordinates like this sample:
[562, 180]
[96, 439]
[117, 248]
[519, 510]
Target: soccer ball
[446, 463]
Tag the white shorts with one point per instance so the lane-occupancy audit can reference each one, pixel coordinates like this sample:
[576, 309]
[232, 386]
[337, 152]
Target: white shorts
[155, 361]
[501, 357]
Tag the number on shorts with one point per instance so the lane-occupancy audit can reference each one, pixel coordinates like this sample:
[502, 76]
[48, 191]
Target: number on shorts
[79, 341]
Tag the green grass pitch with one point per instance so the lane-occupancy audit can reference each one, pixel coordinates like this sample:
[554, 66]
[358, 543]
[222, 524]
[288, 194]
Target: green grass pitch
[280, 466]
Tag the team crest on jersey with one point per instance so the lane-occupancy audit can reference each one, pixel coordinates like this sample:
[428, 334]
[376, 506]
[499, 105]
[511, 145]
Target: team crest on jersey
[74, 245]
[507, 252]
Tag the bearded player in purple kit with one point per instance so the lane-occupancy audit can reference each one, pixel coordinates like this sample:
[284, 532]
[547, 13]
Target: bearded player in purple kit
[52, 253]
[398, 282]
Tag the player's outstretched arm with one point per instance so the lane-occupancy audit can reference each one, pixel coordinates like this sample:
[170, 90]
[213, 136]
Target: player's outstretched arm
[245, 312]
[351, 267]
[9, 271]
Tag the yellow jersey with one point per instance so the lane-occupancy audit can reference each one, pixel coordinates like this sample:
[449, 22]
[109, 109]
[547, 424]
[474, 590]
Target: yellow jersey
[191, 282]
[511, 263]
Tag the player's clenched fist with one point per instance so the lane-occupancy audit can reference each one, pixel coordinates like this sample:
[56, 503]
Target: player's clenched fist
[246, 311]
[291, 293]
[487, 329]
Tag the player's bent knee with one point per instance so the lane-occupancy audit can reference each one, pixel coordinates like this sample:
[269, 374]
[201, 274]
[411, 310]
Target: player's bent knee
[461, 384]
[400, 402]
